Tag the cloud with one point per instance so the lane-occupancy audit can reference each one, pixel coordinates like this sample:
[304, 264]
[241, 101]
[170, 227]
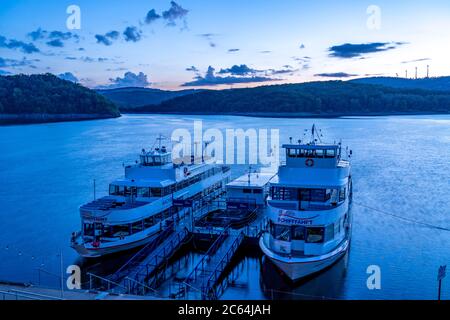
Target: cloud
[90, 59]
[416, 60]
[69, 76]
[210, 79]
[12, 63]
[174, 13]
[4, 73]
[240, 70]
[18, 45]
[132, 34]
[209, 37]
[129, 79]
[335, 75]
[287, 69]
[55, 43]
[192, 68]
[349, 50]
[233, 50]
[55, 38]
[152, 16]
[107, 39]
[38, 34]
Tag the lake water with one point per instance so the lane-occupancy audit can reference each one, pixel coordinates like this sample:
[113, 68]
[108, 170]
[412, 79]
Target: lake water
[401, 166]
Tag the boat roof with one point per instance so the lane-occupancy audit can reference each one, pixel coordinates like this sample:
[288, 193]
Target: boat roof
[143, 183]
[311, 146]
[256, 180]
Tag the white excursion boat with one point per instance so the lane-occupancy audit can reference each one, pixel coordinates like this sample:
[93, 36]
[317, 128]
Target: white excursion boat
[140, 203]
[309, 208]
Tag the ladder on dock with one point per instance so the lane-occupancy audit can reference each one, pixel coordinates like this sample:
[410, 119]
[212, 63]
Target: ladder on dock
[205, 276]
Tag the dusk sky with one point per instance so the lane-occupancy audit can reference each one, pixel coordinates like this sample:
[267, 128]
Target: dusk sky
[222, 44]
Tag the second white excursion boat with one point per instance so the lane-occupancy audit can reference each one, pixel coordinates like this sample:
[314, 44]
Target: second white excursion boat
[309, 208]
[138, 205]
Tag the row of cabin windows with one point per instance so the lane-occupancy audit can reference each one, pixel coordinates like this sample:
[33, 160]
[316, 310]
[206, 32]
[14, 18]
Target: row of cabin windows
[144, 192]
[118, 231]
[307, 234]
[255, 191]
[311, 153]
[311, 195]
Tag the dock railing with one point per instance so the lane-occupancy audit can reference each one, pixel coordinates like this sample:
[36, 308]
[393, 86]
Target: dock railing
[202, 263]
[210, 290]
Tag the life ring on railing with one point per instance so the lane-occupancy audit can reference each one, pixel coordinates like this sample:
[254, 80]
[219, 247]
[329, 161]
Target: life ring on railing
[309, 162]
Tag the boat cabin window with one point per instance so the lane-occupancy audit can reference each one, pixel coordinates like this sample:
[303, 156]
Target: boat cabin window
[298, 233]
[311, 153]
[302, 233]
[281, 232]
[315, 234]
[246, 190]
[301, 194]
[342, 193]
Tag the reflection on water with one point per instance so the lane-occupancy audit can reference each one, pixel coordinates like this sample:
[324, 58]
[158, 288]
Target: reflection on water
[400, 166]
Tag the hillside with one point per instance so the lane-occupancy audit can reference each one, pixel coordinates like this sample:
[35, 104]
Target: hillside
[438, 84]
[45, 97]
[329, 98]
[129, 98]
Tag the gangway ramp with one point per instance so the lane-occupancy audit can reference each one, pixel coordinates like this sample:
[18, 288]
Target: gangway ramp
[201, 282]
[142, 277]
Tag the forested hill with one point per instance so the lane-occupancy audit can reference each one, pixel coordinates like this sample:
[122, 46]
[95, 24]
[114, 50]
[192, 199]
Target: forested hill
[49, 95]
[438, 83]
[328, 98]
[130, 98]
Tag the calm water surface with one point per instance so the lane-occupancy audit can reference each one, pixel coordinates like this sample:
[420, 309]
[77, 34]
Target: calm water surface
[401, 165]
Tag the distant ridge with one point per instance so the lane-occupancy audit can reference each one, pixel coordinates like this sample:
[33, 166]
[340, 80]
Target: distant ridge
[323, 98]
[437, 84]
[132, 97]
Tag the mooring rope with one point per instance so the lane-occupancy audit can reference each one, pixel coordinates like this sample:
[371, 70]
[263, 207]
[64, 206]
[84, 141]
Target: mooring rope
[403, 218]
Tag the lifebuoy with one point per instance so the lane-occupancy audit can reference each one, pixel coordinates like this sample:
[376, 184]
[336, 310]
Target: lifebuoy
[309, 162]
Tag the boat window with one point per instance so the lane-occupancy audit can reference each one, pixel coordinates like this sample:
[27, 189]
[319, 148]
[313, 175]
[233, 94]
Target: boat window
[156, 192]
[116, 190]
[143, 192]
[342, 194]
[330, 153]
[329, 232]
[88, 229]
[247, 190]
[282, 232]
[148, 222]
[257, 191]
[314, 234]
[136, 227]
[120, 230]
[298, 233]
[320, 153]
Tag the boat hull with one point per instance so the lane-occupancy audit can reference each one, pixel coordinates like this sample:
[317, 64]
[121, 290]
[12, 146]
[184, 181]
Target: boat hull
[87, 252]
[297, 268]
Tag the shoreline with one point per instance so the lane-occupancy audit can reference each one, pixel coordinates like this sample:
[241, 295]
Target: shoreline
[37, 118]
[287, 115]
